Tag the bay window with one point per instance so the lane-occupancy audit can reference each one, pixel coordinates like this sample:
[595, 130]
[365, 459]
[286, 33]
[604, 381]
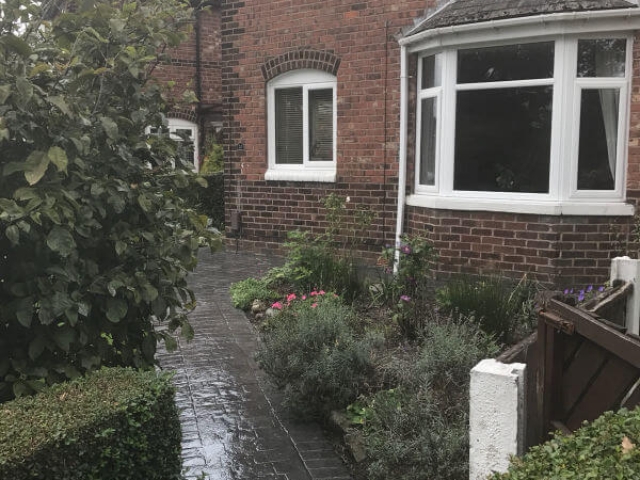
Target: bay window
[528, 124]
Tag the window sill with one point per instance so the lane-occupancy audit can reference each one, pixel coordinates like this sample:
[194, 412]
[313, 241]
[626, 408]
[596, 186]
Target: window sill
[323, 176]
[522, 206]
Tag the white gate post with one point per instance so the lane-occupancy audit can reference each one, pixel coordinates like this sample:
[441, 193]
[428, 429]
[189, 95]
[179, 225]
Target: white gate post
[496, 416]
[628, 270]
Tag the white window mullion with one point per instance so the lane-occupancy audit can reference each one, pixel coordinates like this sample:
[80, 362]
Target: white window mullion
[305, 125]
[448, 136]
[561, 170]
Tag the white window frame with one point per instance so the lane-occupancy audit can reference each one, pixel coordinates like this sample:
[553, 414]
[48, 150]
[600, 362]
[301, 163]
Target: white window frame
[175, 124]
[315, 171]
[563, 196]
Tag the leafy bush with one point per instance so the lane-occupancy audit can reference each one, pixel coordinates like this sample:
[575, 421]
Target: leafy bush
[499, 306]
[95, 242]
[312, 263]
[419, 429]
[244, 293]
[113, 424]
[207, 199]
[605, 449]
[313, 353]
[408, 289]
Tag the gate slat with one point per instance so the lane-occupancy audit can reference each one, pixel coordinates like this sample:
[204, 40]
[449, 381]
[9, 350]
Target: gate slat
[605, 393]
[580, 372]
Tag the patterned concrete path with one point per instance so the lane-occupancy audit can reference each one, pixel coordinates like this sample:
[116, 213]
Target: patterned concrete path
[232, 423]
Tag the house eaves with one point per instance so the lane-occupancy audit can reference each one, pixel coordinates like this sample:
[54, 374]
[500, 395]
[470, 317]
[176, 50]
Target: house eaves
[461, 12]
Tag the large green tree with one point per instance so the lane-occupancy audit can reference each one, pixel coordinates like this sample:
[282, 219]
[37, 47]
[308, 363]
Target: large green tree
[95, 245]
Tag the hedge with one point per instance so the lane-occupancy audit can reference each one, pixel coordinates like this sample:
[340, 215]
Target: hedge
[608, 448]
[113, 424]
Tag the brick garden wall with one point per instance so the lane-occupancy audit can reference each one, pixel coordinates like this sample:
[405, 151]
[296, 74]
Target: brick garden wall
[258, 35]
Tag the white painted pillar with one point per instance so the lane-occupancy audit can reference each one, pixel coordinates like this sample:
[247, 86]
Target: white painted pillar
[496, 416]
[628, 270]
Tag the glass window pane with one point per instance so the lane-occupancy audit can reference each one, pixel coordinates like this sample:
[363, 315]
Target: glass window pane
[598, 147]
[288, 125]
[603, 57]
[509, 62]
[321, 125]
[503, 140]
[431, 71]
[428, 128]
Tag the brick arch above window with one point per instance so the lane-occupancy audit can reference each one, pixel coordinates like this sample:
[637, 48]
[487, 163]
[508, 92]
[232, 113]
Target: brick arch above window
[307, 58]
[183, 114]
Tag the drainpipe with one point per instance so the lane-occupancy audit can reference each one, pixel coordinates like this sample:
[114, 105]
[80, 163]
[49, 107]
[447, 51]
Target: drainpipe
[199, 109]
[402, 154]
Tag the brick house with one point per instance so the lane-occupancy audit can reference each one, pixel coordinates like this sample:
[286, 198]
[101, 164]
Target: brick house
[506, 131]
[196, 66]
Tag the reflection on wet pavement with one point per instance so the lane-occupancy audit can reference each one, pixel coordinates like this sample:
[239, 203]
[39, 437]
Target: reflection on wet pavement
[232, 423]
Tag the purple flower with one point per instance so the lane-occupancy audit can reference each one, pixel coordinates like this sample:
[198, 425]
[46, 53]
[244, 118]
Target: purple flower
[581, 296]
[601, 288]
[589, 288]
[566, 291]
[405, 298]
[406, 249]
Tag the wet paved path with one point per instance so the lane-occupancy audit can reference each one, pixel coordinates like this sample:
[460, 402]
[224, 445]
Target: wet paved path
[232, 423]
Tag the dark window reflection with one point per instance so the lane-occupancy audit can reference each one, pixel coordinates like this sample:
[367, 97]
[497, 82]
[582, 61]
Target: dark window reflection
[509, 62]
[503, 140]
[603, 57]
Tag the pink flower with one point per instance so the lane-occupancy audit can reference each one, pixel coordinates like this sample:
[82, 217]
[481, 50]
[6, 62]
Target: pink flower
[277, 306]
[304, 297]
[291, 297]
[321, 292]
[405, 298]
[314, 293]
[314, 305]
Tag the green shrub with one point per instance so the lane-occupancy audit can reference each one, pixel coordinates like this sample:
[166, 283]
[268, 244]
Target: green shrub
[419, 430]
[608, 448]
[499, 306]
[96, 245]
[408, 289]
[207, 199]
[314, 355]
[244, 293]
[313, 262]
[114, 424]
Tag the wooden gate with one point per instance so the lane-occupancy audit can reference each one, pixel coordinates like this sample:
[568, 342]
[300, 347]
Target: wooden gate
[585, 366]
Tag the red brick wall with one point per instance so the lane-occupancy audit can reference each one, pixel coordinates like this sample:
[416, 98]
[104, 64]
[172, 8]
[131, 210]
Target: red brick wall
[563, 250]
[361, 36]
[182, 68]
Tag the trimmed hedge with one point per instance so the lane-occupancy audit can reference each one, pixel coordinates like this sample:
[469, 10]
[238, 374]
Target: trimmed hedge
[608, 448]
[114, 424]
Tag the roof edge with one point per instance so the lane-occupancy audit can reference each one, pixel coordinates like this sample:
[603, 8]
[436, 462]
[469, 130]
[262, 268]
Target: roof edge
[549, 18]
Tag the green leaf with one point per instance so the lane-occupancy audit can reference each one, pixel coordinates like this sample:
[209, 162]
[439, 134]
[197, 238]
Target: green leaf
[61, 241]
[24, 311]
[37, 346]
[16, 44]
[63, 337]
[116, 309]
[60, 104]
[5, 91]
[149, 292]
[59, 158]
[121, 247]
[117, 24]
[24, 88]
[145, 202]
[149, 346]
[170, 343]
[35, 167]
[110, 127]
[13, 234]
[202, 182]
